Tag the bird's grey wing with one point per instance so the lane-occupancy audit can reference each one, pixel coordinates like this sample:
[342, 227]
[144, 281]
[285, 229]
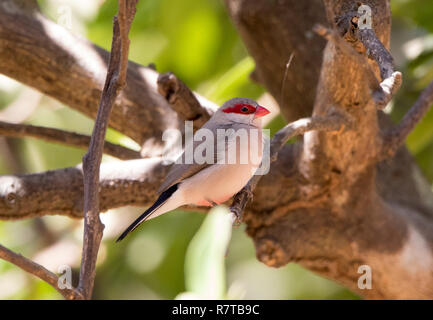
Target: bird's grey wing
[181, 170]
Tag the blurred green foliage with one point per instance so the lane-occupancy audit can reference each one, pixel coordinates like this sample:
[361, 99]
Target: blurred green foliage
[180, 252]
[205, 264]
[417, 71]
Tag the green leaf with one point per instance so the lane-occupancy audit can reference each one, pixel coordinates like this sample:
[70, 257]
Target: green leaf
[205, 258]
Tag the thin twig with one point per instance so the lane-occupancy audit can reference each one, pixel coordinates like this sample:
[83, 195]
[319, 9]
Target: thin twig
[65, 138]
[114, 83]
[395, 138]
[391, 79]
[182, 99]
[286, 71]
[38, 271]
[299, 127]
[376, 51]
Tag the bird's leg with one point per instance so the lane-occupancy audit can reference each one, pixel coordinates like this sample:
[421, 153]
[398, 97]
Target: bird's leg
[238, 211]
[237, 219]
[249, 192]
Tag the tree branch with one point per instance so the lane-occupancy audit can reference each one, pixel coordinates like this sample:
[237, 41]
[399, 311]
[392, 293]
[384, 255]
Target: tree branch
[63, 137]
[391, 80]
[375, 49]
[394, 138]
[38, 271]
[115, 82]
[53, 56]
[60, 192]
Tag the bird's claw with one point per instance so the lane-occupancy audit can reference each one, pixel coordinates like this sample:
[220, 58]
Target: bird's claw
[238, 210]
[237, 216]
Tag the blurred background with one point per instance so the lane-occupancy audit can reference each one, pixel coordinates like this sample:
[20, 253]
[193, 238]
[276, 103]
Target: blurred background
[175, 255]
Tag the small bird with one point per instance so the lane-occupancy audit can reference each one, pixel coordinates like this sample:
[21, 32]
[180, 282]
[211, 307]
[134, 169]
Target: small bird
[213, 182]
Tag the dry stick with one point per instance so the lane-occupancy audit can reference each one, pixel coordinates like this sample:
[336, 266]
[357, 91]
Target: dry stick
[38, 271]
[395, 138]
[65, 138]
[391, 79]
[301, 126]
[283, 83]
[182, 99]
[114, 83]
[377, 51]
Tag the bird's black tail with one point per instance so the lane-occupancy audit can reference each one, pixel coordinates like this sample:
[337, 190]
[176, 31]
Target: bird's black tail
[158, 203]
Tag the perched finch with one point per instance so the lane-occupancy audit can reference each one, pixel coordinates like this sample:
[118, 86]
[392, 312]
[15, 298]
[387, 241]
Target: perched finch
[232, 148]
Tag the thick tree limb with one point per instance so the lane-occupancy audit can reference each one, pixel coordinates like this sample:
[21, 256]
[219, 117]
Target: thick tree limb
[394, 138]
[114, 83]
[337, 211]
[46, 56]
[60, 192]
[63, 137]
[38, 271]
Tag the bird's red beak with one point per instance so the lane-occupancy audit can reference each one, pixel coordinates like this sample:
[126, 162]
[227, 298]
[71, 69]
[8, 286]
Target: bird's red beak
[260, 112]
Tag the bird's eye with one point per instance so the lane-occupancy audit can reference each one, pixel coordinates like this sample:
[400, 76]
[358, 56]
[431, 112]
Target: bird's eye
[245, 109]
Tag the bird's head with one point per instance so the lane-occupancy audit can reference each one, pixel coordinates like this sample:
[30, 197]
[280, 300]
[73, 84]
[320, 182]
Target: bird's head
[241, 110]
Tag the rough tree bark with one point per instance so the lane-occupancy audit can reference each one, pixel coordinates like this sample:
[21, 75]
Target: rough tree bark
[342, 209]
[342, 205]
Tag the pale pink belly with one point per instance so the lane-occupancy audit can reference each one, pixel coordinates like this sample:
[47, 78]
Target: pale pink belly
[216, 184]
[205, 203]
